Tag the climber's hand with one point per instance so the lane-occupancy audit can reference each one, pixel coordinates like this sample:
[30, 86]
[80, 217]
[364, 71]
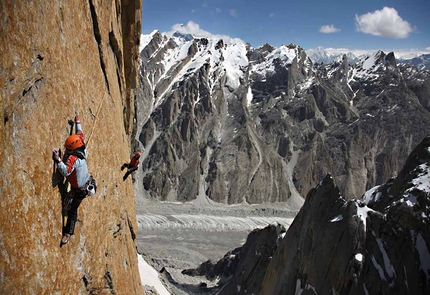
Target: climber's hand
[56, 155]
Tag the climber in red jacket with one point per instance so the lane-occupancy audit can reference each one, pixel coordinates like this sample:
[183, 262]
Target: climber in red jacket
[132, 166]
[75, 170]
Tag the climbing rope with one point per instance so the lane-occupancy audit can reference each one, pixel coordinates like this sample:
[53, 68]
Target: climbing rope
[95, 120]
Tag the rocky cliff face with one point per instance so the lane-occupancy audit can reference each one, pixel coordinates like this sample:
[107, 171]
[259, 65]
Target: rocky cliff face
[219, 119]
[59, 57]
[198, 139]
[379, 244]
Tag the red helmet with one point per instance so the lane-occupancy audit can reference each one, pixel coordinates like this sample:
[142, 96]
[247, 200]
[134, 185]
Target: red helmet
[73, 142]
[137, 155]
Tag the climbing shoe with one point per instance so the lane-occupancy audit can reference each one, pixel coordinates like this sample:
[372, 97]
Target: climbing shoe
[65, 239]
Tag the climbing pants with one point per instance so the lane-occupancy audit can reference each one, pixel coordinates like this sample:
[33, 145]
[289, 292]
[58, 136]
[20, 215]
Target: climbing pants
[129, 171]
[72, 212]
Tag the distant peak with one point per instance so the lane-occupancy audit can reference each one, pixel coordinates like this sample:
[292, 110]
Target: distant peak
[379, 54]
[185, 37]
[266, 46]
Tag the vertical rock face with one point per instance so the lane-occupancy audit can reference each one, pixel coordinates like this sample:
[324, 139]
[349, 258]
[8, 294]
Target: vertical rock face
[59, 57]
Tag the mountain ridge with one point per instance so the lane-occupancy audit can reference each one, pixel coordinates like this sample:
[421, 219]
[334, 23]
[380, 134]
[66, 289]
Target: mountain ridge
[327, 56]
[257, 107]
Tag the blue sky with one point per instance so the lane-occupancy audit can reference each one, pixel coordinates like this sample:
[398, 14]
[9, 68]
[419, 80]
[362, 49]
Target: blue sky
[365, 24]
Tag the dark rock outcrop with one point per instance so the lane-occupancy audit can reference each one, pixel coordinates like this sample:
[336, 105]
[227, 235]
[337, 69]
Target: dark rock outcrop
[376, 245]
[240, 271]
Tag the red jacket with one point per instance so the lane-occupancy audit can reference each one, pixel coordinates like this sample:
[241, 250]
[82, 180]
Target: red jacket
[134, 162]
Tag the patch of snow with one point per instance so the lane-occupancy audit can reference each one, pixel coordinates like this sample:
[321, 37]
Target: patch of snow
[310, 287]
[306, 84]
[368, 196]
[424, 254]
[422, 182]
[369, 62]
[365, 289]
[234, 60]
[383, 90]
[378, 268]
[149, 276]
[249, 96]
[299, 289]
[145, 39]
[410, 200]
[337, 218]
[359, 257]
[284, 54]
[362, 213]
[389, 269]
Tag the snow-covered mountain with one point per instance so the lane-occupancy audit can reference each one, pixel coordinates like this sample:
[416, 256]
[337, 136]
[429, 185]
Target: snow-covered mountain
[329, 55]
[326, 56]
[422, 62]
[220, 120]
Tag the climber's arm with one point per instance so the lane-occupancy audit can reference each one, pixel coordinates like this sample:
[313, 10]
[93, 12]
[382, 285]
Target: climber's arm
[78, 127]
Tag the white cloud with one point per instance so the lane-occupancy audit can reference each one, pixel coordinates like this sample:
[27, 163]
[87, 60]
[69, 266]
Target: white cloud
[233, 12]
[327, 29]
[191, 28]
[271, 15]
[194, 29]
[383, 23]
[428, 48]
[218, 10]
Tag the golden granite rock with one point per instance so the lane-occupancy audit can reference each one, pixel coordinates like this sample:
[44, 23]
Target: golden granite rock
[58, 57]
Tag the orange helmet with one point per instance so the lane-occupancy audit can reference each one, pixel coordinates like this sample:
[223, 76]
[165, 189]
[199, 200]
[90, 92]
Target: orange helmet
[73, 142]
[138, 154]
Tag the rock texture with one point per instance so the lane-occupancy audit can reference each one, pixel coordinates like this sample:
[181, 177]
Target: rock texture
[240, 271]
[59, 57]
[376, 245]
[219, 119]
